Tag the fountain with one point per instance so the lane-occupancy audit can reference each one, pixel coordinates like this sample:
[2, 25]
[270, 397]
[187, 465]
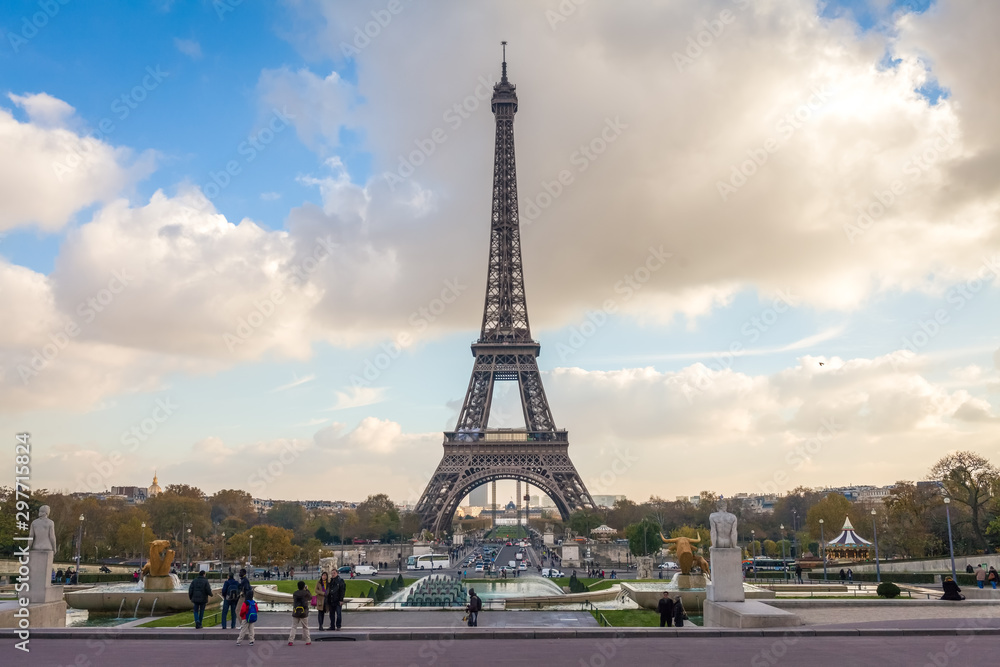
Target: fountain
[120, 608]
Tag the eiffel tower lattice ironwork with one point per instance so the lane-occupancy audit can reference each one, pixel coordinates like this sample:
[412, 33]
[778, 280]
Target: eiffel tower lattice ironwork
[473, 453]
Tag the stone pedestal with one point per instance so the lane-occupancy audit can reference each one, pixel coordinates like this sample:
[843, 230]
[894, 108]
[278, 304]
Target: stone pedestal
[167, 583]
[570, 556]
[40, 578]
[549, 538]
[748, 614]
[727, 575]
[688, 581]
[644, 567]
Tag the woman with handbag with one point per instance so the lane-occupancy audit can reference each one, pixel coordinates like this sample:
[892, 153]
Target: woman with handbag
[319, 600]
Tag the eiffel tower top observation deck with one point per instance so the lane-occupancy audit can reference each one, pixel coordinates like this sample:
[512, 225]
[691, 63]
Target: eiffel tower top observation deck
[475, 454]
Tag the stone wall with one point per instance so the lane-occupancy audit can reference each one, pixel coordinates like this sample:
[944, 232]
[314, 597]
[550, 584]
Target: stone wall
[934, 565]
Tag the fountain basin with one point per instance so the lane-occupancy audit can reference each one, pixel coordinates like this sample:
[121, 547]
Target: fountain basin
[648, 594]
[135, 602]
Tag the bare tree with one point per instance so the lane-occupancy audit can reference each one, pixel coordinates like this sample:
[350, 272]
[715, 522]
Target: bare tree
[969, 479]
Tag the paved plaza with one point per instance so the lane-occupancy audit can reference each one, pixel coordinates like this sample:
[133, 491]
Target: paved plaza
[912, 650]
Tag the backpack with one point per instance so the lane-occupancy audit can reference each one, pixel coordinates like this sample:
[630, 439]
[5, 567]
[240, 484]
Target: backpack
[251, 611]
[233, 596]
[299, 611]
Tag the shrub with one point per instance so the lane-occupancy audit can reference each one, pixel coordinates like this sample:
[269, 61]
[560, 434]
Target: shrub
[887, 589]
[371, 592]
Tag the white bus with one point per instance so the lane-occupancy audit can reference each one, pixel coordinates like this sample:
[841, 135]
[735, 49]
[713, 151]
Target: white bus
[427, 562]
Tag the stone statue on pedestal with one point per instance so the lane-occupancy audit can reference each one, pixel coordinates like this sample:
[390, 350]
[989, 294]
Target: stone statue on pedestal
[42, 534]
[43, 531]
[723, 526]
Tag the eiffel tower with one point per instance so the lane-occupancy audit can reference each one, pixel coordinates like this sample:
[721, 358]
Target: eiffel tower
[475, 454]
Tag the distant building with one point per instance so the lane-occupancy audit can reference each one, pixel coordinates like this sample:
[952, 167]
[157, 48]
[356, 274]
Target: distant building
[154, 489]
[133, 495]
[606, 501]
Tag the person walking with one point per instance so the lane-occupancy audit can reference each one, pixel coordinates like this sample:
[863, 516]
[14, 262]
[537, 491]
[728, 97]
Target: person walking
[248, 617]
[335, 600]
[850, 575]
[798, 573]
[993, 577]
[474, 607]
[230, 600]
[843, 575]
[980, 576]
[199, 592]
[666, 608]
[679, 614]
[322, 587]
[300, 613]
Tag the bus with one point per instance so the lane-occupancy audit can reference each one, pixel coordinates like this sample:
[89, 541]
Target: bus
[427, 562]
[762, 564]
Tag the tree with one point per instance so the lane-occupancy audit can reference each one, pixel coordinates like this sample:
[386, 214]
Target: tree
[644, 538]
[290, 515]
[771, 549]
[185, 491]
[908, 512]
[378, 517]
[833, 509]
[581, 522]
[271, 545]
[969, 479]
[176, 506]
[625, 513]
[232, 503]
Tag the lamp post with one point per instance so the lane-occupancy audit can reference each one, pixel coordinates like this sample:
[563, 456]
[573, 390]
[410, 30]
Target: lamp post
[79, 547]
[222, 554]
[822, 547]
[878, 570]
[250, 557]
[141, 541]
[784, 566]
[753, 553]
[951, 547]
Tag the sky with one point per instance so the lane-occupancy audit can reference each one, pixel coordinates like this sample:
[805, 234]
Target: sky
[244, 244]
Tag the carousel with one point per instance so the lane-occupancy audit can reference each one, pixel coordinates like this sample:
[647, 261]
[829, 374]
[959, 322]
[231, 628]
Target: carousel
[848, 545]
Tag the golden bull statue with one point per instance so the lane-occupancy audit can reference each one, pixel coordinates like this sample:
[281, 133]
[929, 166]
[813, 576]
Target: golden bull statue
[160, 557]
[685, 553]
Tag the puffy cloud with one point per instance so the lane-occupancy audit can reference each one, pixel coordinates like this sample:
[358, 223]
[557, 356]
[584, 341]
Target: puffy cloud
[49, 171]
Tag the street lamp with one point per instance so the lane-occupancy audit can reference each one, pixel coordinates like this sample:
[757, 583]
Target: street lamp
[250, 557]
[141, 541]
[222, 554]
[79, 546]
[951, 547]
[822, 547]
[753, 553]
[784, 565]
[878, 570]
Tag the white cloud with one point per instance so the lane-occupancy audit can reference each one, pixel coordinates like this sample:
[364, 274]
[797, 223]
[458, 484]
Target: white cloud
[49, 171]
[295, 383]
[189, 47]
[356, 397]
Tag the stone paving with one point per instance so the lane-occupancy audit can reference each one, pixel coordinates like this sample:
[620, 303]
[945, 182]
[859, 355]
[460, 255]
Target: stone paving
[374, 620]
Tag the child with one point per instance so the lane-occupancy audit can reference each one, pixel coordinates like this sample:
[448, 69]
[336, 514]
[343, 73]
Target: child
[300, 613]
[248, 616]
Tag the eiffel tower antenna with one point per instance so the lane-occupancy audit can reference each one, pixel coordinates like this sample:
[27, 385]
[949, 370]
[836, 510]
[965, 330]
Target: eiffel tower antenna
[474, 453]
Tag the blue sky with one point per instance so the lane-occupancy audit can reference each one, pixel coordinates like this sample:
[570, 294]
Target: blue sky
[343, 123]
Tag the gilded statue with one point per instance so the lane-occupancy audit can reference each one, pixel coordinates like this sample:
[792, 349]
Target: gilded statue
[685, 553]
[160, 558]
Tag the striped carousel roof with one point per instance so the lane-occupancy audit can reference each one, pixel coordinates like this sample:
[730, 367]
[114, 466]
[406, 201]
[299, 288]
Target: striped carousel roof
[848, 538]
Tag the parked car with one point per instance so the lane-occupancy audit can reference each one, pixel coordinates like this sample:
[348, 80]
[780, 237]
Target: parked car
[365, 570]
[552, 572]
[346, 569]
[669, 565]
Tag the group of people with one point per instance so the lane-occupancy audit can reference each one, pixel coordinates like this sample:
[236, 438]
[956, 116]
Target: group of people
[68, 577]
[599, 574]
[238, 595]
[671, 611]
[983, 576]
[847, 576]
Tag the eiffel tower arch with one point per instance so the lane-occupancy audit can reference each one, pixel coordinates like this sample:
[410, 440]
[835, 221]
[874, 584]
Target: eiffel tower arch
[475, 454]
